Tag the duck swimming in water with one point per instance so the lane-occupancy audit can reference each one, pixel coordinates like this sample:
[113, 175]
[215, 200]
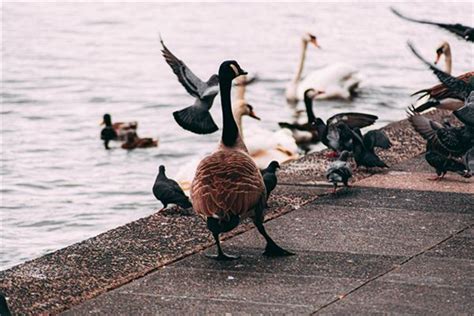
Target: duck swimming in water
[115, 131]
[133, 141]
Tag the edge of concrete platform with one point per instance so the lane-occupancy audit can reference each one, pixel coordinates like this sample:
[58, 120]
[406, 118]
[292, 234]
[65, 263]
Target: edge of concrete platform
[69, 276]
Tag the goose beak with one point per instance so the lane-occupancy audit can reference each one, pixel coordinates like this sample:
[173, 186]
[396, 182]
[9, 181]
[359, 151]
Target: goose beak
[242, 72]
[318, 92]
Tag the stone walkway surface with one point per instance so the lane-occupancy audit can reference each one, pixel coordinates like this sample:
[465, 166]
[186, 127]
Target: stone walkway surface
[394, 243]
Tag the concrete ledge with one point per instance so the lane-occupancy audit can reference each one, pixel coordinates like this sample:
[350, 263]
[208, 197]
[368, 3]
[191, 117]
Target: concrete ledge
[67, 277]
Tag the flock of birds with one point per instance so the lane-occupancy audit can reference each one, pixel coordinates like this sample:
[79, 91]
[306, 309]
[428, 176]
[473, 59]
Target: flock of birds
[235, 181]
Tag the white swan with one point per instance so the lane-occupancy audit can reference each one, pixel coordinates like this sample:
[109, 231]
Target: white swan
[337, 80]
[263, 145]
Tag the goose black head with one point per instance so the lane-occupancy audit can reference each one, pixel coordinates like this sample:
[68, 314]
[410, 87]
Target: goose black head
[344, 155]
[107, 120]
[469, 34]
[230, 69]
[273, 166]
[312, 93]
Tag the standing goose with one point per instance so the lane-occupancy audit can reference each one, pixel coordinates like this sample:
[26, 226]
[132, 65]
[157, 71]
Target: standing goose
[337, 80]
[228, 186]
[439, 96]
[460, 30]
[195, 118]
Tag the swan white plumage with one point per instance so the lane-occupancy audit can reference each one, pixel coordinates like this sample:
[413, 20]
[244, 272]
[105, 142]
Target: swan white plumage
[338, 80]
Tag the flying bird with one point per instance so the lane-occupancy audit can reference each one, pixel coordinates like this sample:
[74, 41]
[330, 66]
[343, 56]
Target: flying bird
[462, 31]
[195, 118]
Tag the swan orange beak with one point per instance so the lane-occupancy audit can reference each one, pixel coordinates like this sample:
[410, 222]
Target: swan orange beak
[438, 56]
[253, 115]
[315, 43]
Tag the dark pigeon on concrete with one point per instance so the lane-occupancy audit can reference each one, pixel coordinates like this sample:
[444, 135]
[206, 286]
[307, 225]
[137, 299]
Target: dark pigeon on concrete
[443, 164]
[195, 118]
[462, 31]
[364, 148]
[4, 310]
[447, 140]
[269, 177]
[168, 191]
[459, 89]
[340, 171]
[466, 113]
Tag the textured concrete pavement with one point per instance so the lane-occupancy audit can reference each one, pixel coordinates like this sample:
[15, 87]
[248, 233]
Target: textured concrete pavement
[381, 247]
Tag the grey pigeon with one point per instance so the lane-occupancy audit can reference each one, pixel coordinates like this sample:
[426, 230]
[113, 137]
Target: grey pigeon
[168, 191]
[339, 171]
[364, 148]
[466, 113]
[195, 118]
[462, 31]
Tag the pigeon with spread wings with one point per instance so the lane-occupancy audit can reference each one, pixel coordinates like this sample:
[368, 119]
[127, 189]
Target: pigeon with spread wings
[195, 118]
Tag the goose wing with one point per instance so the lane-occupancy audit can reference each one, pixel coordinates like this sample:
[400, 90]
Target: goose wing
[193, 85]
[227, 182]
[352, 119]
[458, 88]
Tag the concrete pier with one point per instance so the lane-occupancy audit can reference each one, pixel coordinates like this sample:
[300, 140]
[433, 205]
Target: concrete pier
[393, 243]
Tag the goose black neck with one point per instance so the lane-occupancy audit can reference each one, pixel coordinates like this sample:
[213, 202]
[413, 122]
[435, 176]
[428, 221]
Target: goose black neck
[230, 130]
[309, 109]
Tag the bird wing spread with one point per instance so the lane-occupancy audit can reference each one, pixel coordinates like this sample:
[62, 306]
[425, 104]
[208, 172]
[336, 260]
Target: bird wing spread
[353, 119]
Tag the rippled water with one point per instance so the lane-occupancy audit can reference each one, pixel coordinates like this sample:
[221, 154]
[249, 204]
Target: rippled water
[64, 65]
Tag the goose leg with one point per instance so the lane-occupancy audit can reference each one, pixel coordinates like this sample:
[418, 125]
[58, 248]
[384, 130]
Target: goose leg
[217, 227]
[272, 249]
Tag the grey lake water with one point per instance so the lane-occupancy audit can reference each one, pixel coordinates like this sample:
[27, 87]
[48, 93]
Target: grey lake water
[65, 65]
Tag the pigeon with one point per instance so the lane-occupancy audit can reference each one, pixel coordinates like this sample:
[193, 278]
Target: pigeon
[443, 164]
[459, 88]
[195, 118]
[466, 113]
[168, 191]
[363, 148]
[469, 161]
[269, 177]
[462, 31]
[339, 171]
[328, 133]
[447, 140]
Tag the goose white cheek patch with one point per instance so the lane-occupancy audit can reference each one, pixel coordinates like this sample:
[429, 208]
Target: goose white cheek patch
[234, 68]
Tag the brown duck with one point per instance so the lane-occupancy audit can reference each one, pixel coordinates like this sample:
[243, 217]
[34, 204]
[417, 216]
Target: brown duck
[228, 186]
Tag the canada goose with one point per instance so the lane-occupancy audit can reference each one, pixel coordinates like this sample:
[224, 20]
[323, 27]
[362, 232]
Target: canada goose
[168, 191]
[195, 118]
[228, 186]
[465, 32]
[115, 131]
[339, 171]
[337, 80]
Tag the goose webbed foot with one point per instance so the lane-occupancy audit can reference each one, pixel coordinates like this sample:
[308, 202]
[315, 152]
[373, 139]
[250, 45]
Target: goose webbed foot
[273, 250]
